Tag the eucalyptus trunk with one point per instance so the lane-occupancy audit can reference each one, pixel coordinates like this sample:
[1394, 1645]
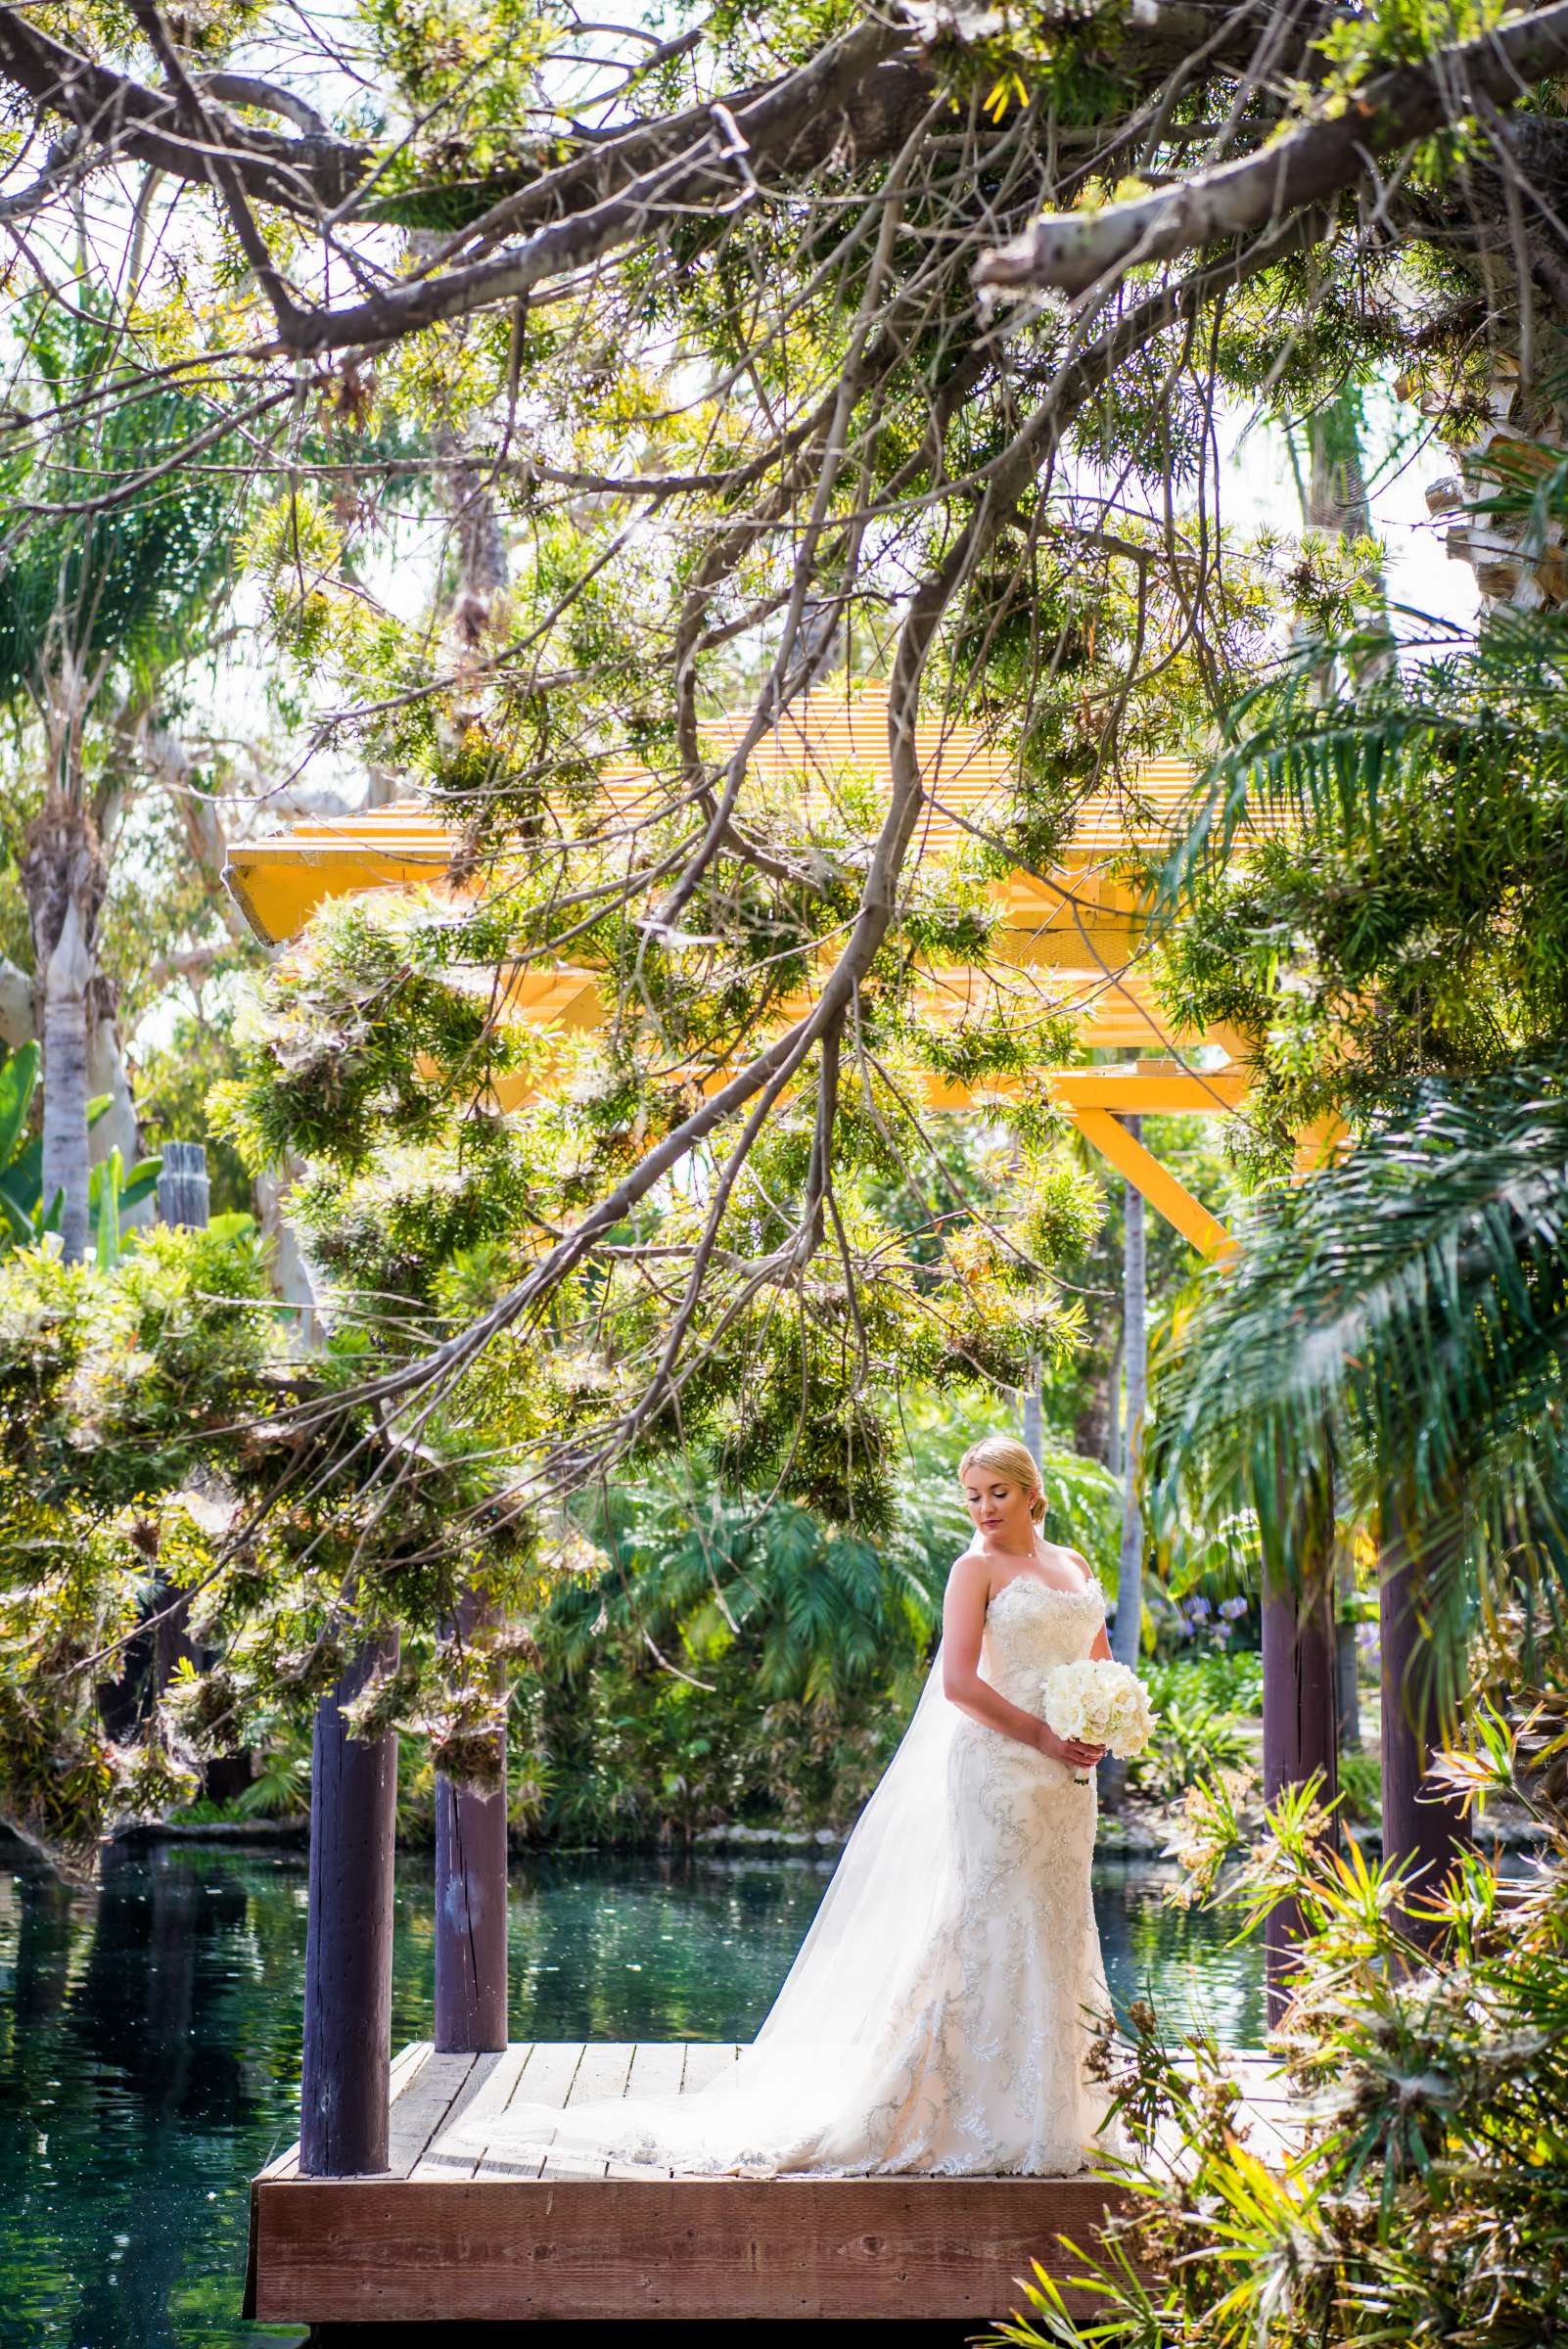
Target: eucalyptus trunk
[1126, 1632]
[1035, 1413]
[63, 879]
[1346, 1661]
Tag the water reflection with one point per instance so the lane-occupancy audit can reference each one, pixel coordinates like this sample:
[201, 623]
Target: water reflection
[150, 2041]
[1179, 1959]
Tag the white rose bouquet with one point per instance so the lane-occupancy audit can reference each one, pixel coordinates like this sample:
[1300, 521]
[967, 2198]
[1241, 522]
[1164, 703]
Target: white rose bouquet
[1096, 1702]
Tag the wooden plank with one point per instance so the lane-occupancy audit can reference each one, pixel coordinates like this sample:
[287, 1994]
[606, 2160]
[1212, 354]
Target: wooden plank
[404, 2064]
[545, 2079]
[490, 2096]
[602, 2072]
[656, 2071]
[422, 2106]
[705, 2062]
[342, 2250]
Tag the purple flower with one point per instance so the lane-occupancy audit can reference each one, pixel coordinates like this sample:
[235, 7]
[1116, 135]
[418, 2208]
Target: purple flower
[1232, 1609]
[1198, 1610]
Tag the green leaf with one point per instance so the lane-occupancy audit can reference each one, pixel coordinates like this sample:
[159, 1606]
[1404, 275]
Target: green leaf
[231, 1227]
[141, 1182]
[24, 1174]
[18, 1078]
[106, 1185]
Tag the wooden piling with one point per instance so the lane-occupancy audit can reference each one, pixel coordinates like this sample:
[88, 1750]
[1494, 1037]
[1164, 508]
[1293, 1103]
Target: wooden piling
[469, 1917]
[470, 1894]
[348, 1940]
[1424, 1830]
[1301, 1717]
[183, 1190]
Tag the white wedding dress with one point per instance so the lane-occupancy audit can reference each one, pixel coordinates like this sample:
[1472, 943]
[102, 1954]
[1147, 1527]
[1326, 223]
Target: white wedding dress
[938, 2014]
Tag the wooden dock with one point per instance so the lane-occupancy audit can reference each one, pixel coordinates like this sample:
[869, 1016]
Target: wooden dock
[458, 2235]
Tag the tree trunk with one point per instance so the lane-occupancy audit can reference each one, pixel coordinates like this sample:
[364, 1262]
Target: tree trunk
[1113, 1412]
[1126, 1634]
[1335, 491]
[1034, 1415]
[1300, 1732]
[63, 878]
[288, 1267]
[1350, 1695]
[106, 1073]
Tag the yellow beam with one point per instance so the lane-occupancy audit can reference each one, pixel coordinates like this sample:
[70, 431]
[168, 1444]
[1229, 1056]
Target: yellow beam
[1157, 1183]
[1320, 1144]
[1162, 1090]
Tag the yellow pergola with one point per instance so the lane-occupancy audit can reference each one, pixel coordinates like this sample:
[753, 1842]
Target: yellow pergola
[1072, 940]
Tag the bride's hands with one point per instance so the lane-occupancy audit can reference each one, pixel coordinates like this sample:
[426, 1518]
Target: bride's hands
[1071, 1750]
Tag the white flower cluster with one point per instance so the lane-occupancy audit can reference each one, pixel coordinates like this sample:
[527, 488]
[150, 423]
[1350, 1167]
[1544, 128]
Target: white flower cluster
[1099, 1703]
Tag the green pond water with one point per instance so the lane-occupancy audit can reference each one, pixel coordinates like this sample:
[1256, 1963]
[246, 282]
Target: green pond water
[150, 2041]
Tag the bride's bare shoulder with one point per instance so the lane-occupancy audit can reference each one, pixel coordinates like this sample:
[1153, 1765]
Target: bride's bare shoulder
[969, 1572]
[1075, 1562]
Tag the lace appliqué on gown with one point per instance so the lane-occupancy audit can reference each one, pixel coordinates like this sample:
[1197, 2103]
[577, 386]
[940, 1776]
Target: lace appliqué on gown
[938, 2019]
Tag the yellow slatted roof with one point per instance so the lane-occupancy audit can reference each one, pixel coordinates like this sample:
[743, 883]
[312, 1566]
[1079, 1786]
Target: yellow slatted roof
[798, 773]
[1068, 939]
[831, 736]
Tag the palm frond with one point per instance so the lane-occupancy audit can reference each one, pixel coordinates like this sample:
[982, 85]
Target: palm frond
[1443, 734]
[1399, 1323]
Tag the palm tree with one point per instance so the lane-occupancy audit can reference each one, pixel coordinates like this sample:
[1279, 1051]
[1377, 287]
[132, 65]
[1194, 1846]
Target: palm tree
[1394, 1328]
[107, 574]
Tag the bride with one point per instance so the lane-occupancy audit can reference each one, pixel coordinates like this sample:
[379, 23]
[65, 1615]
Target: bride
[938, 2014]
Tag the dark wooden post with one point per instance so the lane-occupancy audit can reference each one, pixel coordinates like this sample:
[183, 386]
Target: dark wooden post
[1422, 1828]
[348, 1939]
[470, 1919]
[1301, 1728]
[183, 1191]
[471, 1905]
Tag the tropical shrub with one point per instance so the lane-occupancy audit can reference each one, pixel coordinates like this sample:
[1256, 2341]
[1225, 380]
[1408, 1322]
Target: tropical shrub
[1360, 1788]
[1231, 1682]
[1428, 2200]
[1191, 1737]
[733, 1658]
[139, 1432]
[25, 1214]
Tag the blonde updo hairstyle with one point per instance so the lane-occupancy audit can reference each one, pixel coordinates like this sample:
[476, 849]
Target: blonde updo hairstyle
[1005, 1456]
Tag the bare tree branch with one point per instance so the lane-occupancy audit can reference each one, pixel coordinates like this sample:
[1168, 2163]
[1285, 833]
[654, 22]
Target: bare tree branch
[310, 175]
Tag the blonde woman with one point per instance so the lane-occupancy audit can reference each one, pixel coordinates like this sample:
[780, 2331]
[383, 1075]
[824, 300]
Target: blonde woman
[938, 2018]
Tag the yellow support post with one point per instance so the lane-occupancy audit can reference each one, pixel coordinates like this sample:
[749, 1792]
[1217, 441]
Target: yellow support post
[1159, 1186]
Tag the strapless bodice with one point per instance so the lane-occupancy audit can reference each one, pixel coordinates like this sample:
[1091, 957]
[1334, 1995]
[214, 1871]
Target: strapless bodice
[1030, 1628]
